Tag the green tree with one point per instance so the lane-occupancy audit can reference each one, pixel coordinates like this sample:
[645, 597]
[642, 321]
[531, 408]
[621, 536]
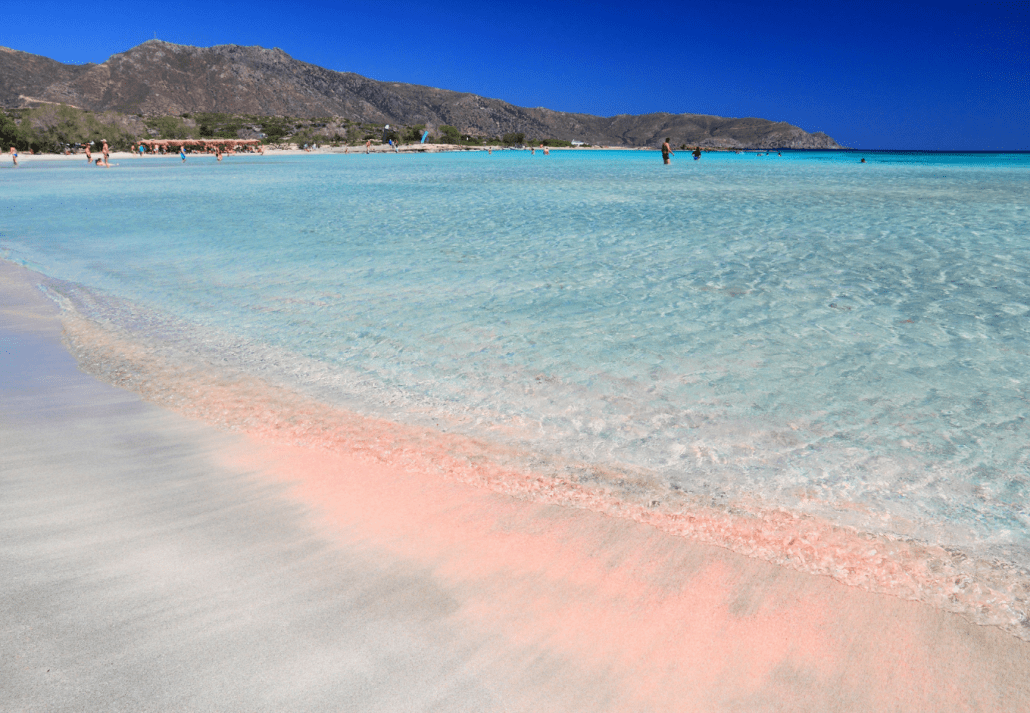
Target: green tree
[9, 133]
[450, 134]
[51, 127]
[169, 127]
[513, 139]
[413, 134]
[553, 142]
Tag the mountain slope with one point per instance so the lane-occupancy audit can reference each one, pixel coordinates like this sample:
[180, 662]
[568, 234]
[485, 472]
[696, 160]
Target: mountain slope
[163, 78]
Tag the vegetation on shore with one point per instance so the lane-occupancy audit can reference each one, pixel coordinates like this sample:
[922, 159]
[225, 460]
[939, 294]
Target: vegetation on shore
[54, 128]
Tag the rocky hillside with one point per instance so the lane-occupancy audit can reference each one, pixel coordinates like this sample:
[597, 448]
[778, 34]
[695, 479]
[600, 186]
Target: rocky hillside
[162, 78]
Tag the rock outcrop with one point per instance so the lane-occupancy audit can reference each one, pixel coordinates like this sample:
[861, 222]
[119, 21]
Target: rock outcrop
[163, 78]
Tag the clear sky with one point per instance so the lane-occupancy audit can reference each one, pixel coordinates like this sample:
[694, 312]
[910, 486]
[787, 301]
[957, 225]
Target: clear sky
[872, 74]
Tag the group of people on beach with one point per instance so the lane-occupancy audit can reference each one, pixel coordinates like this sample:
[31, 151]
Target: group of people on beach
[104, 160]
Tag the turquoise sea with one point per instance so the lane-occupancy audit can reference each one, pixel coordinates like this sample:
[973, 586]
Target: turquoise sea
[845, 340]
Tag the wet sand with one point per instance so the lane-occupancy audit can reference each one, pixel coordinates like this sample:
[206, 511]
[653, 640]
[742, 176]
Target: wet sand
[151, 562]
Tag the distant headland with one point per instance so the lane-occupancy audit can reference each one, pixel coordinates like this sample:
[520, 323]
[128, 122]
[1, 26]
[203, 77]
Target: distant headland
[159, 78]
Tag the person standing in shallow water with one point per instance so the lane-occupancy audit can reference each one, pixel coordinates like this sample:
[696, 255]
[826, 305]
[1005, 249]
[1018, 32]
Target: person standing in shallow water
[14, 155]
[666, 151]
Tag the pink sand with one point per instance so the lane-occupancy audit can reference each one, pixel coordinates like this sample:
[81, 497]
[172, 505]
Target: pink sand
[680, 626]
[333, 562]
[272, 414]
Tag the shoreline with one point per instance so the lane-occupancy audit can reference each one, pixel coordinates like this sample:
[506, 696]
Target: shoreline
[896, 562]
[351, 150]
[378, 149]
[533, 604]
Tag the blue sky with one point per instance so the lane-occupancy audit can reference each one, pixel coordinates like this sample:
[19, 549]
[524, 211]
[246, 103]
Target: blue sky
[874, 75]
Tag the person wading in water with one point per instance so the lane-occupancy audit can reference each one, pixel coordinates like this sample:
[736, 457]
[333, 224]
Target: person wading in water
[666, 151]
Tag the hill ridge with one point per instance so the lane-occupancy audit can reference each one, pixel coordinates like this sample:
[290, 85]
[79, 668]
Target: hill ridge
[159, 77]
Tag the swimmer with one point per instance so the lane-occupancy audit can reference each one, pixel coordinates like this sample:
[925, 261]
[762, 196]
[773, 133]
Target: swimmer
[368, 145]
[218, 152]
[863, 160]
[547, 151]
[89, 154]
[14, 155]
[697, 153]
[182, 153]
[107, 152]
[666, 151]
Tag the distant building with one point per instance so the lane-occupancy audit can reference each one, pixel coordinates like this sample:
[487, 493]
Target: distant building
[578, 143]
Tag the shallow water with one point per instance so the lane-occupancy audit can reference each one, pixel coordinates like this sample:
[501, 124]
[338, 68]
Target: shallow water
[844, 340]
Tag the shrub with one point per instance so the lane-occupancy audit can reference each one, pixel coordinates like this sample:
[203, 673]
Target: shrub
[450, 134]
[51, 127]
[169, 127]
[553, 142]
[8, 133]
[413, 134]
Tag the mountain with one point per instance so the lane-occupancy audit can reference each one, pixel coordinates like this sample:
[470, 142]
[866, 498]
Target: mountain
[162, 78]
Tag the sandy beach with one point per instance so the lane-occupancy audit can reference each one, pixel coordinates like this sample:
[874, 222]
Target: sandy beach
[152, 562]
[322, 150]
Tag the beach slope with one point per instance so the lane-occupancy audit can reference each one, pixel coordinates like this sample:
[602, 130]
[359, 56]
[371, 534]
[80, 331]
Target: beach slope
[151, 562]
